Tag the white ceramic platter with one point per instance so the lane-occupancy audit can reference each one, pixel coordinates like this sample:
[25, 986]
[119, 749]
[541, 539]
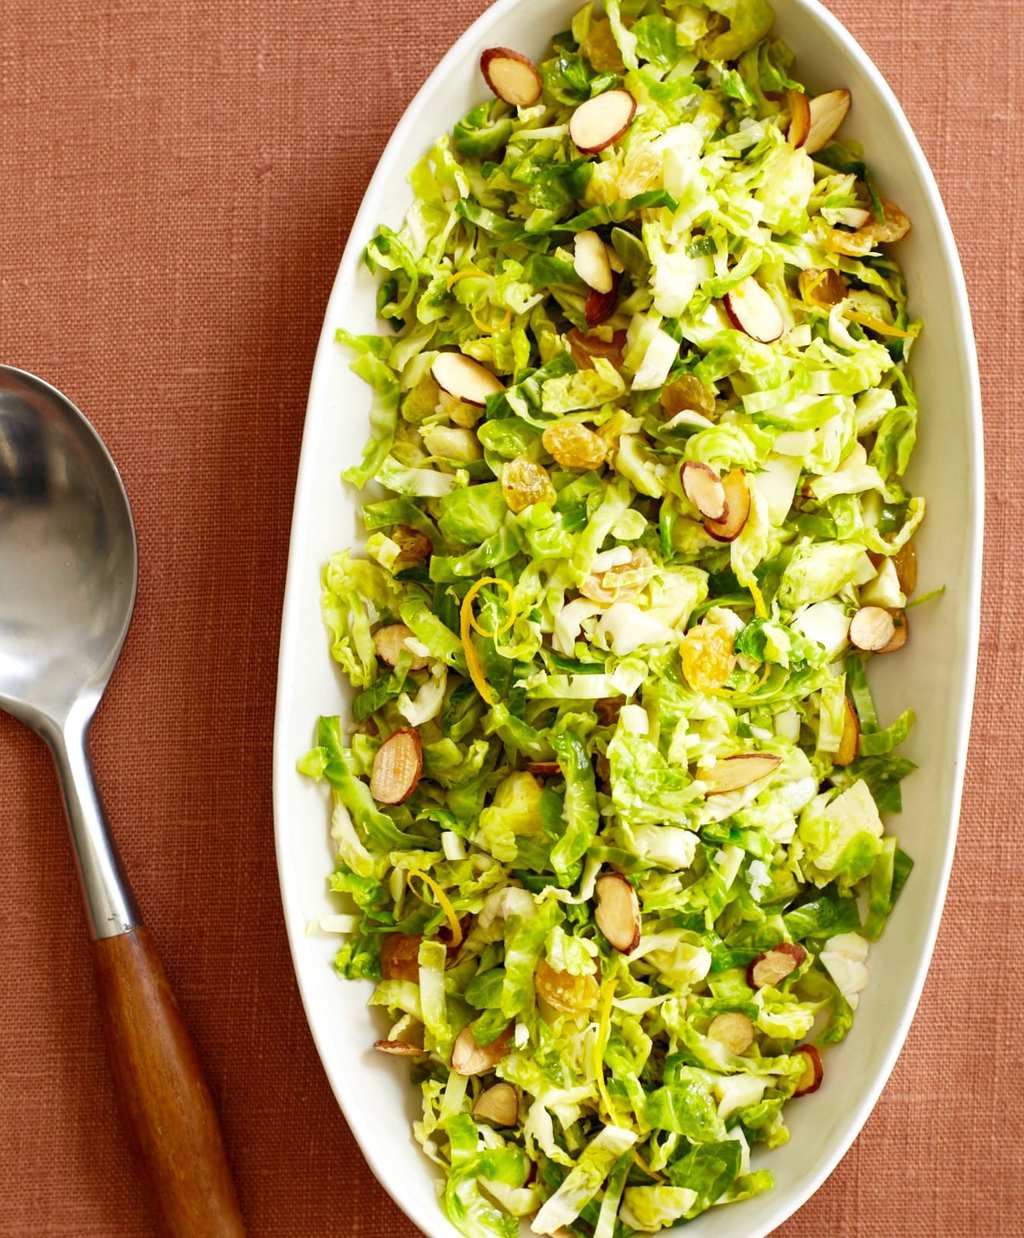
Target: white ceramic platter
[935, 674]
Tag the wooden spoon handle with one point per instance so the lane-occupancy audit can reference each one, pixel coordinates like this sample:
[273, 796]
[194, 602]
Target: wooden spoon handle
[163, 1095]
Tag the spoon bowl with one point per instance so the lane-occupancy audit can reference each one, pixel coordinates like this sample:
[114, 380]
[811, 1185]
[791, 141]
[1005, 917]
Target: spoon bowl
[67, 556]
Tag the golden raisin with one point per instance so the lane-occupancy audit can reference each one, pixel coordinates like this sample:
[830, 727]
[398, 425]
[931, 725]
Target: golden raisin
[524, 483]
[574, 446]
[608, 709]
[822, 288]
[687, 393]
[413, 544]
[905, 563]
[893, 227]
[399, 956]
[622, 582]
[564, 991]
[585, 348]
[707, 656]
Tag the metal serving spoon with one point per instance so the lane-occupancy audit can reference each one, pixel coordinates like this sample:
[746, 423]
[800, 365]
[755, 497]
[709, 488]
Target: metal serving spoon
[68, 569]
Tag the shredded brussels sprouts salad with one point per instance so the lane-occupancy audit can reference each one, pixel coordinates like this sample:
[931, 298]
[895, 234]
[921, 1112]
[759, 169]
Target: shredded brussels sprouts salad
[608, 807]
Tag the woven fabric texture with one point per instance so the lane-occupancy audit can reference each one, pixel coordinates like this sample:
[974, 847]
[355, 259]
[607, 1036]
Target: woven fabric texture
[178, 178]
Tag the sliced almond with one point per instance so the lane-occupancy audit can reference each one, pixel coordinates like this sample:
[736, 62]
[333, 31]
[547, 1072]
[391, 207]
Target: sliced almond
[871, 628]
[544, 769]
[775, 965]
[398, 1048]
[600, 306]
[800, 118]
[464, 378]
[901, 630]
[813, 1074]
[737, 508]
[498, 1105]
[400, 956]
[850, 741]
[753, 311]
[828, 111]
[469, 1058]
[512, 76]
[397, 767]
[389, 644]
[600, 121]
[617, 912]
[590, 261]
[734, 1030]
[732, 773]
[703, 487]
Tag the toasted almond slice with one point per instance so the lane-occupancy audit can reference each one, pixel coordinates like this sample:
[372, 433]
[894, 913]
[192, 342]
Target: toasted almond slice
[600, 306]
[871, 628]
[828, 111]
[734, 1030]
[398, 1048]
[600, 121]
[617, 911]
[544, 769]
[703, 487]
[811, 1079]
[498, 1105]
[850, 741]
[469, 1058]
[397, 767]
[901, 630]
[775, 964]
[389, 644]
[512, 76]
[753, 311]
[464, 378]
[590, 261]
[800, 118]
[399, 956]
[732, 773]
[737, 508]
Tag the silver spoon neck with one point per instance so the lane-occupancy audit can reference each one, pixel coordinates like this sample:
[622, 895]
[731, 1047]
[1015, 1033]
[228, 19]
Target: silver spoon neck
[110, 907]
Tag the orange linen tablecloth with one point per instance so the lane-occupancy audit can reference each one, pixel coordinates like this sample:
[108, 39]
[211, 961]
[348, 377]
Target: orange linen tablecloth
[176, 184]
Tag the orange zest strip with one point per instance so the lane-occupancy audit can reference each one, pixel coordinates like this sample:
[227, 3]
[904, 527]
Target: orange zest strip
[468, 624]
[491, 328]
[759, 607]
[441, 899]
[468, 273]
[601, 1043]
[878, 325]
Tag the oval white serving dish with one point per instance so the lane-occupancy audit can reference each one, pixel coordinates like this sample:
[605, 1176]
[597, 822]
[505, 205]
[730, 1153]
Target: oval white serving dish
[935, 674]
